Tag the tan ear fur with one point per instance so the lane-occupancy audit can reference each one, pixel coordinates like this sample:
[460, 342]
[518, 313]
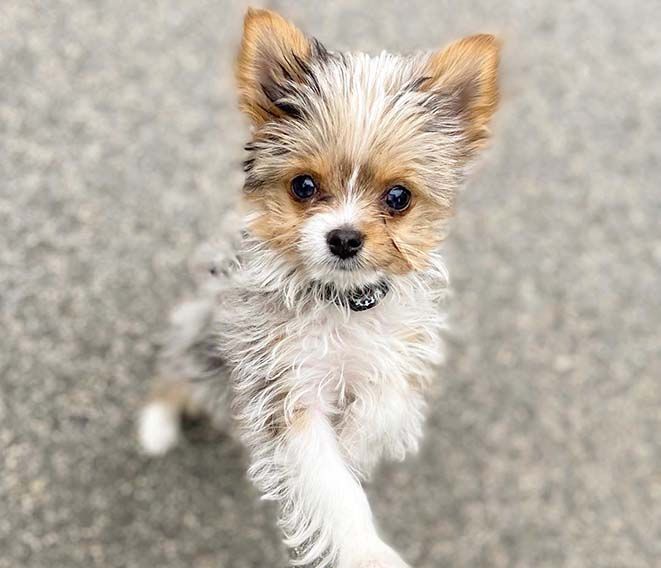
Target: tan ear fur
[467, 71]
[271, 51]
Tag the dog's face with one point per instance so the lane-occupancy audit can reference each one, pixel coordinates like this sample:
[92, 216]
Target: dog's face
[355, 160]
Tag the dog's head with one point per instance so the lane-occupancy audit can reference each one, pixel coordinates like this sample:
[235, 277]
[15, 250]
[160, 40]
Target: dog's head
[355, 161]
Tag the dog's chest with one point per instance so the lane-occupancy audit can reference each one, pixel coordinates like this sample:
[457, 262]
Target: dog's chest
[335, 355]
[335, 345]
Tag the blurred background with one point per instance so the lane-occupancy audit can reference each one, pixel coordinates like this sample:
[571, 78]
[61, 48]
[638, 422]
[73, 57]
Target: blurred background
[120, 149]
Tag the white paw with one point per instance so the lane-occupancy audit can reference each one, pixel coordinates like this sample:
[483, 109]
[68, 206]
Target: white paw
[379, 555]
[158, 428]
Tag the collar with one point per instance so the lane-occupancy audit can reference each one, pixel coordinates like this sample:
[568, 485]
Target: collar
[359, 299]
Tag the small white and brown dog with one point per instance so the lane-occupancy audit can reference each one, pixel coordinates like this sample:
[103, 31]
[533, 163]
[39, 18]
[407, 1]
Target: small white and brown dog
[317, 328]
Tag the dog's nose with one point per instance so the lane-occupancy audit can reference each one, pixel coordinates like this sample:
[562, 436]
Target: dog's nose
[344, 243]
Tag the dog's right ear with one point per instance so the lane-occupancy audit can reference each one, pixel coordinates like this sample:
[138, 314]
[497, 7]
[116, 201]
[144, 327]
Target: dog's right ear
[465, 77]
[274, 55]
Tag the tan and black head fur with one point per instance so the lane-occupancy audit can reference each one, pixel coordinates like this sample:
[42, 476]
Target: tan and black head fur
[359, 125]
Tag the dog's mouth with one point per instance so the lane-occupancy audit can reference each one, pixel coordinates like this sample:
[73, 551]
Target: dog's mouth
[345, 275]
[348, 264]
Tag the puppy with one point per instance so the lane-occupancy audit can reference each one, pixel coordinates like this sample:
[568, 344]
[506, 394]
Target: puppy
[317, 324]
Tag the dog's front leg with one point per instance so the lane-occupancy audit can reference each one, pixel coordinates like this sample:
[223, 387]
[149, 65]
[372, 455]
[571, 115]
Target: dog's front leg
[325, 513]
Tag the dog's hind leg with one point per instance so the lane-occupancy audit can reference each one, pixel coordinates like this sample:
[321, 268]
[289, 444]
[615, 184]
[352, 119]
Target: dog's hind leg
[159, 425]
[190, 381]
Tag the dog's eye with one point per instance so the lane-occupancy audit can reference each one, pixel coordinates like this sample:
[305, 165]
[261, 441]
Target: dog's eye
[397, 198]
[303, 187]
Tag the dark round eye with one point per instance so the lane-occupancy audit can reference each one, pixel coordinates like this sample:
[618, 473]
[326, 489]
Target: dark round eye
[303, 187]
[397, 198]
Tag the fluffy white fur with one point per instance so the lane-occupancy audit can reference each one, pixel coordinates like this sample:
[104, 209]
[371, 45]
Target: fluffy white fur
[319, 393]
[158, 428]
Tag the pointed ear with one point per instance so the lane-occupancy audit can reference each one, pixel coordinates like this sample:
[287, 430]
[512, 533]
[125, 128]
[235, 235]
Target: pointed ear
[273, 55]
[466, 74]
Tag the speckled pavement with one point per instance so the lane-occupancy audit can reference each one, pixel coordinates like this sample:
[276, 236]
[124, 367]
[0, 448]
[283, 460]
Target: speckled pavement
[120, 147]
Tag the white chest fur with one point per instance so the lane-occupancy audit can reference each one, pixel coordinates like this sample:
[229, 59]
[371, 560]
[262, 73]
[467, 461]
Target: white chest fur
[367, 370]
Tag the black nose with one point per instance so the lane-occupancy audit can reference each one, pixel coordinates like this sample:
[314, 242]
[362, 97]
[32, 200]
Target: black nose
[344, 243]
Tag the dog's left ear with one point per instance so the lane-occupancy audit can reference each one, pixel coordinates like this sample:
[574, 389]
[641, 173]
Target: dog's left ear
[465, 76]
[274, 54]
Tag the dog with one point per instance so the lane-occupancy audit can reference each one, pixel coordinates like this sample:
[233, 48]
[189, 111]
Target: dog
[316, 330]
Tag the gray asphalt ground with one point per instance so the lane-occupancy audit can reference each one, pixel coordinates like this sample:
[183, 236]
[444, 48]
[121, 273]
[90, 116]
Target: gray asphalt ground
[120, 147]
